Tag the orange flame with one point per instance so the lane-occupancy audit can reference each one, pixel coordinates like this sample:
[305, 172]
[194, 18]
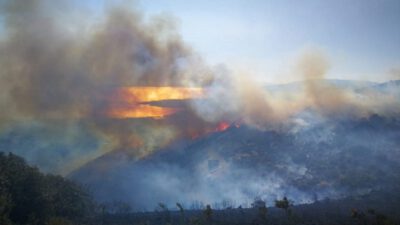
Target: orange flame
[141, 111]
[130, 101]
[222, 126]
[153, 94]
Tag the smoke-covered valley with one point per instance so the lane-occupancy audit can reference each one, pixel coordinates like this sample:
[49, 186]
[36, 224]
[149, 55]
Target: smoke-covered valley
[124, 106]
[315, 159]
[312, 158]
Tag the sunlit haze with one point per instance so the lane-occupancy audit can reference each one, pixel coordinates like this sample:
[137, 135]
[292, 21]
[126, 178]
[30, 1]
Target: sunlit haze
[220, 112]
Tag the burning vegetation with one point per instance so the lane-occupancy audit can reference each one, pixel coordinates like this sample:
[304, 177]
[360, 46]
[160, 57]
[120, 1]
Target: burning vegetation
[113, 79]
[135, 102]
[111, 93]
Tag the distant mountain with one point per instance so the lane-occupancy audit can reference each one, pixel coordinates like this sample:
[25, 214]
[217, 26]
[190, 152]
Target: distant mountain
[311, 160]
[314, 158]
[331, 159]
[343, 84]
[392, 86]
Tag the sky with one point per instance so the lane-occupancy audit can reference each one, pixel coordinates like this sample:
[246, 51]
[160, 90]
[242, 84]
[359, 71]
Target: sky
[58, 95]
[361, 38]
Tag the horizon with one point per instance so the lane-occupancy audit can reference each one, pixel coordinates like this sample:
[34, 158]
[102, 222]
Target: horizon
[147, 103]
[264, 38]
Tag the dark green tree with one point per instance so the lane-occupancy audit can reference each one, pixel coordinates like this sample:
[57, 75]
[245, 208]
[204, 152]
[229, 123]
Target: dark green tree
[208, 213]
[29, 197]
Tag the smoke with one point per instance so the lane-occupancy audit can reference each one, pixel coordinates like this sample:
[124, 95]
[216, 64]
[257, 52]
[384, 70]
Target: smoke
[333, 98]
[59, 71]
[236, 97]
[328, 99]
[394, 73]
[190, 181]
[59, 77]
[243, 163]
[50, 73]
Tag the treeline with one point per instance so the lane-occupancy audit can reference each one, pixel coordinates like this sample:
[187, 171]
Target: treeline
[28, 196]
[349, 211]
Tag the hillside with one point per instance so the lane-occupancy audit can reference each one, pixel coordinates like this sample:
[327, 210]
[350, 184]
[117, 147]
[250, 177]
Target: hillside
[331, 159]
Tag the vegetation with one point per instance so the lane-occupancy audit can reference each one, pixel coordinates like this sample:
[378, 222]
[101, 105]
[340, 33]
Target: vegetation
[30, 197]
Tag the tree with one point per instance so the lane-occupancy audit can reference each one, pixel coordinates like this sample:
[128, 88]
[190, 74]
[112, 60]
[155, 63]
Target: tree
[164, 209]
[208, 212]
[282, 204]
[260, 205]
[181, 211]
[29, 197]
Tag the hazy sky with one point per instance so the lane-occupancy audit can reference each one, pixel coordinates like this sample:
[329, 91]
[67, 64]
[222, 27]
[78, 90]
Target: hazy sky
[360, 37]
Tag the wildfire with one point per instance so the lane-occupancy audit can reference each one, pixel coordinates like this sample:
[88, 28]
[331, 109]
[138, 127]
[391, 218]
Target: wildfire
[133, 102]
[141, 111]
[154, 94]
[222, 126]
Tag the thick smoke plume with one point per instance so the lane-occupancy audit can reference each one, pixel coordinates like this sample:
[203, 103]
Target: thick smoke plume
[330, 99]
[51, 74]
[319, 94]
[59, 74]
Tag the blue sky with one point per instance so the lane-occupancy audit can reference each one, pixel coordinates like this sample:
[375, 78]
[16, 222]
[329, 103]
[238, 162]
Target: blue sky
[361, 38]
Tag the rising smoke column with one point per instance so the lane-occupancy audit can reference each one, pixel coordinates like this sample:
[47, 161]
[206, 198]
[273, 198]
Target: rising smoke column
[332, 101]
[59, 72]
[328, 99]
[51, 74]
